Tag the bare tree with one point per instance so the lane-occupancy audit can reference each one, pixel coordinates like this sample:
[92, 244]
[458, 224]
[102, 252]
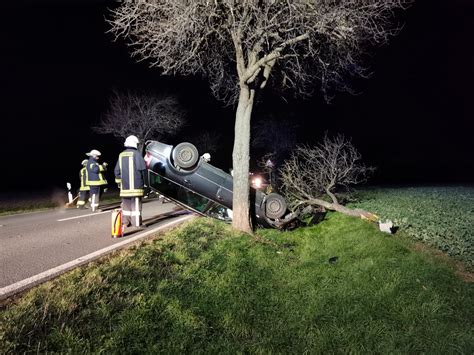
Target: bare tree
[314, 172]
[206, 141]
[145, 115]
[238, 44]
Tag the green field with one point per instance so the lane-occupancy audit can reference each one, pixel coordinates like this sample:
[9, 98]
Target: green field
[439, 216]
[338, 287]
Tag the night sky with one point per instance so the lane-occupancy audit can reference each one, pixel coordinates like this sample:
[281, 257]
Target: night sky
[413, 119]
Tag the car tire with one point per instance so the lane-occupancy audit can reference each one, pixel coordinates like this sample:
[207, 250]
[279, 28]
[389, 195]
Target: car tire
[275, 206]
[185, 155]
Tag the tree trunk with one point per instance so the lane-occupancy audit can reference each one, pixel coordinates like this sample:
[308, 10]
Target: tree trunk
[340, 208]
[240, 161]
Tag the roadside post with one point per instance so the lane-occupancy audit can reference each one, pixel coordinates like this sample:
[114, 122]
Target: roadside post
[69, 194]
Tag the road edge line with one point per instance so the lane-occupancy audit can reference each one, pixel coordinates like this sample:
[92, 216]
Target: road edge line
[47, 275]
[83, 216]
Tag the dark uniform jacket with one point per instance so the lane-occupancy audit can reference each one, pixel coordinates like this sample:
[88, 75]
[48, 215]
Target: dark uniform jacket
[95, 173]
[130, 173]
[83, 178]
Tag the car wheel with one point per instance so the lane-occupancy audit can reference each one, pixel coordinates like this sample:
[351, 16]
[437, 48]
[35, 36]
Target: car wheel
[275, 206]
[185, 155]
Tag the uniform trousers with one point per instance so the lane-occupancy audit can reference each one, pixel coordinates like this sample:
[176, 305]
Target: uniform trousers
[82, 198]
[96, 191]
[132, 211]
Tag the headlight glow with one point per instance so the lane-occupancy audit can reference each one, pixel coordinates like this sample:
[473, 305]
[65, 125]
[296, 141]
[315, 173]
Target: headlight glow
[257, 182]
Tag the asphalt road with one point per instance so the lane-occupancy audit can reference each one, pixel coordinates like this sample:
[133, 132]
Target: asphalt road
[35, 242]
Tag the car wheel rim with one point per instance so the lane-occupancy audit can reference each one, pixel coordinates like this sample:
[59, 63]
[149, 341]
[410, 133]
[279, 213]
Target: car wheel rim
[274, 206]
[185, 155]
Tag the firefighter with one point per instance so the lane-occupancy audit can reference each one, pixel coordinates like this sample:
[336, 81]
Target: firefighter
[84, 189]
[95, 178]
[130, 175]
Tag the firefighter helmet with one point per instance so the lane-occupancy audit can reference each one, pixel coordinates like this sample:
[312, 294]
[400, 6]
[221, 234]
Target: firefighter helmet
[131, 142]
[84, 162]
[93, 153]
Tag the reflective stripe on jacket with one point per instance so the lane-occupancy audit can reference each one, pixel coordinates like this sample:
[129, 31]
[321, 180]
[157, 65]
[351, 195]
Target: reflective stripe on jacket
[95, 173]
[130, 173]
[83, 178]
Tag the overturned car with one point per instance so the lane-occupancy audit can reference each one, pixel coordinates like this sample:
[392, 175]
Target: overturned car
[179, 174]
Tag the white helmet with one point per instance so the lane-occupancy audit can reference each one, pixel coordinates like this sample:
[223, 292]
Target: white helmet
[93, 153]
[84, 162]
[206, 156]
[131, 142]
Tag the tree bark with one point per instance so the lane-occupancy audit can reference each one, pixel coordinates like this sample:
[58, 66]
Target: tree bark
[240, 161]
[342, 209]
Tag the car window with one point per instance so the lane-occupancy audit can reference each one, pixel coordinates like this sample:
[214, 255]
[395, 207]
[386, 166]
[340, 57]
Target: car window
[220, 212]
[188, 197]
[177, 192]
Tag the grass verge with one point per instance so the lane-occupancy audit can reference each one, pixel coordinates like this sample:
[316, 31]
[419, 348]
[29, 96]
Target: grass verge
[340, 286]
